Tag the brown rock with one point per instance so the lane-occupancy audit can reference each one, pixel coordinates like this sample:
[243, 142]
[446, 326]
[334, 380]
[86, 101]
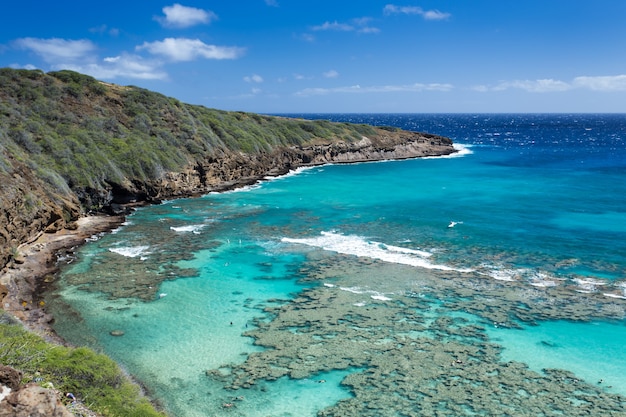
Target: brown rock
[10, 377]
[33, 401]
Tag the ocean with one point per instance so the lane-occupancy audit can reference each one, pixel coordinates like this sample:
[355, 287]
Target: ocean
[489, 282]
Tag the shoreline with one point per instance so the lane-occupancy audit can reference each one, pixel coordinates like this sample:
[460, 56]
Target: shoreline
[24, 280]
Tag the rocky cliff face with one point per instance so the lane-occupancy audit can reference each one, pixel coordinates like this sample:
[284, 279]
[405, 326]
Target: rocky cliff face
[229, 170]
[28, 208]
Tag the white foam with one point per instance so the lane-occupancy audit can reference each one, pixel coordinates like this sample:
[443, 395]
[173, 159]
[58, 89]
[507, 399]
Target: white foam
[291, 173]
[621, 286]
[534, 278]
[375, 295]
[541, 279]
[504, 274]
[194, 228]
[543, 283]
[359, 246]
[588, 285]
[353, 290]
[461, 151]
[614, 296]
[130, 251]
[242, 189]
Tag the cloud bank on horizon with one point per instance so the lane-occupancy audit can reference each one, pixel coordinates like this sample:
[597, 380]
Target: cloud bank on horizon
[274, 56]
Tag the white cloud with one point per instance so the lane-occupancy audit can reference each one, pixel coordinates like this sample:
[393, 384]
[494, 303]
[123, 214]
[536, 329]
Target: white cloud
[368, 30]
[307, 37]
[79, 55]
[417, 87]
[272, 3]
[102, 29]
[27, 66]
[360, 25]
[602, 83]
[331, 74]
[597, 83]
[253, 79]
[178, 16]
[54, 50]
[534, 86]
[435, 15]
[415, 10]
[184, 49]
[393, 9]
[122, 66]
[335, 26]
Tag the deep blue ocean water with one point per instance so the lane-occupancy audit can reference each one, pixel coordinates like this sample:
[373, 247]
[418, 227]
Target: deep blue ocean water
[538, 208]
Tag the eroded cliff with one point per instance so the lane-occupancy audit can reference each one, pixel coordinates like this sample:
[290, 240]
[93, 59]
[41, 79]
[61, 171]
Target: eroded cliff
[70, 144]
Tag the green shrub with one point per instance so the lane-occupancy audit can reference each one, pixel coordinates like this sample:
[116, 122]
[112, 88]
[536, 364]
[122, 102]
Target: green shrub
[94, 378]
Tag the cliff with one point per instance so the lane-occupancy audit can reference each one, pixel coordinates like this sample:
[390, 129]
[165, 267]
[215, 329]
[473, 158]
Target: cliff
[70, 144]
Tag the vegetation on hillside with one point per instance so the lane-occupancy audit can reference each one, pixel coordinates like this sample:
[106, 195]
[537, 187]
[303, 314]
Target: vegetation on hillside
[94, 379]
[78, 133]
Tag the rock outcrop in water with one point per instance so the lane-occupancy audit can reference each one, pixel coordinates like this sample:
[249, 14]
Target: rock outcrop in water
[70, 144]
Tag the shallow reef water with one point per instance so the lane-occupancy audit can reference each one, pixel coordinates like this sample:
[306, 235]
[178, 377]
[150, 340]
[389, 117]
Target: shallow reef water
[488, 284]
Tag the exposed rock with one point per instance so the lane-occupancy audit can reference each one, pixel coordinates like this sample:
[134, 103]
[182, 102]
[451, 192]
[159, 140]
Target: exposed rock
[229, 170]
[10, 377]
[27, 208]
[29, 400]
[21, 285]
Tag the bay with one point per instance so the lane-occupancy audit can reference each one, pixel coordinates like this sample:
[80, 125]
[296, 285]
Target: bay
[344, 290]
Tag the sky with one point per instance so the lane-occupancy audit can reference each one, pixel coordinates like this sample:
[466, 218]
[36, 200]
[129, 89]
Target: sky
[322, 56]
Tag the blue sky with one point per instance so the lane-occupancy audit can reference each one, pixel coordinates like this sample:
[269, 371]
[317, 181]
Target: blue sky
[277, 56]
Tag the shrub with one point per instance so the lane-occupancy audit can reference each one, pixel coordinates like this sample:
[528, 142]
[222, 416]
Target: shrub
[94, 378]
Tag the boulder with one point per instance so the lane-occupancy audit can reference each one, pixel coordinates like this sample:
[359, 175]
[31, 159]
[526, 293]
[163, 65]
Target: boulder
[29, 400]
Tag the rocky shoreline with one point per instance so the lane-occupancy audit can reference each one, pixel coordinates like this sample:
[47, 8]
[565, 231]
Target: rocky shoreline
[23, 281]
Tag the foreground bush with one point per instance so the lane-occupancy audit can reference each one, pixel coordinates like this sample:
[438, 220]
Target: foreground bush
[94, 379]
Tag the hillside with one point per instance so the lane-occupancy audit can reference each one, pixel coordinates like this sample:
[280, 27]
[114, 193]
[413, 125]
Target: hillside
[70, 144]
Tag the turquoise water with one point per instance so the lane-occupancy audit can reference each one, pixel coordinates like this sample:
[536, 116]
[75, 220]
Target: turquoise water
[287, 292]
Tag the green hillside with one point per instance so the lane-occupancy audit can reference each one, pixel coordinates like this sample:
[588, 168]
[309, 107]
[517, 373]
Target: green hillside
[79, 133]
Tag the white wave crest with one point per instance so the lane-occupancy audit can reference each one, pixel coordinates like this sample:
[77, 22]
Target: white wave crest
[359, 246]
[194, 228]
[532, 277]
[375, 295]
[130, 251]
[291, 173]
[461, 151]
